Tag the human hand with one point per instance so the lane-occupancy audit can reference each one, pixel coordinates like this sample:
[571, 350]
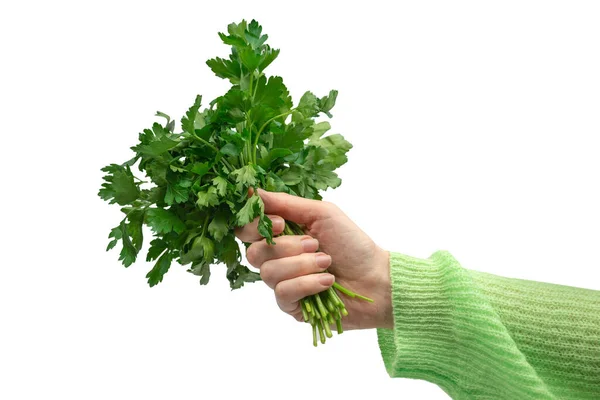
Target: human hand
[290, 267]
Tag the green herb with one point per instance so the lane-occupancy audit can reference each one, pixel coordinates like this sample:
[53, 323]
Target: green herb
[250, 137]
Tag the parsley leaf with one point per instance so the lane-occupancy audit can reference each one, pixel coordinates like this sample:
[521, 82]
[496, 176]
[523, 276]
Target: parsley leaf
[164, 221]
[208, 198]
[219, 226]
[119, 186]
[253, 208]
[155, 275]
[187, 122]
[244, 177]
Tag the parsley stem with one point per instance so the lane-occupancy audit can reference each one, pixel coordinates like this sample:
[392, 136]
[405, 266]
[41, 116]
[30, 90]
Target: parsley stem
[321, 306]
[205, 142]
[338, 325]
[204, 225]
[321, 333]
[350, 293]
[327, 328]
[304, 312]
[227, 164]
[334, 299]
[328, 303]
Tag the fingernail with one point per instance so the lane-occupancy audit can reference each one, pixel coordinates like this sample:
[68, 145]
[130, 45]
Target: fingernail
[278, 224]
[323, 260]
[326, 279]
[310, 245]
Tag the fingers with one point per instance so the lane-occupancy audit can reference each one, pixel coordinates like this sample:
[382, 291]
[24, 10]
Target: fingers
[290, 291]
[249, 232]
[294, 208]
[280, 206]
[274, 271]
[285, 246]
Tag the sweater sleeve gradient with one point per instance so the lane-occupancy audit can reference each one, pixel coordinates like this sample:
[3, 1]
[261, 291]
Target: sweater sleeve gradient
[481, 336]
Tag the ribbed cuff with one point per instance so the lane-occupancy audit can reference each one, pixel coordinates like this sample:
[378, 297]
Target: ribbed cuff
[447, 332]
[418, 344]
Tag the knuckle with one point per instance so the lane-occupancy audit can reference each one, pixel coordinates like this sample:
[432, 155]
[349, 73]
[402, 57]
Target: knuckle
[266, 273]
[252, 254]
[331, 207]
[281, 292]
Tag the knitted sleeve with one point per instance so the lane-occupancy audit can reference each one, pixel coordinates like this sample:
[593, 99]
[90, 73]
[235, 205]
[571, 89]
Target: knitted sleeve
[481, 336]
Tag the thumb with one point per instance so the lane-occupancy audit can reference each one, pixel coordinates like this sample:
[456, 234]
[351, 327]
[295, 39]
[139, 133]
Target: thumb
[293, 208]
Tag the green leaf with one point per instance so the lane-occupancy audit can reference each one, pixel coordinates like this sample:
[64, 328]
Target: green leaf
[202, 270]
[253, 208]
[244, 177]
[230, 149]
[254, 35]
[187, 122]
[157, 147]
[308, 105]
[128, 252]
[219, 226]
[156, 142]
[238, 30]
[250, 59]
[233, 105]
[200, 168]
[232, 40]
[269, 56]
[156, 169]
[292, 176]
[336, 147]
[273, 94]
[157, 247]
[164, 221]
[220, 184]
[319, 129]
[176, 193]
[242, 275]
[207, 198]
[327, 102]
[265, 228]
[113, 242]
[325, 178]
[293, 135]
[226, 69]
[202, 249]
[272, 155]
[116, 234]
[275, 183]
[134, 228]
[155, 276]
[228, 251]
[119, 186]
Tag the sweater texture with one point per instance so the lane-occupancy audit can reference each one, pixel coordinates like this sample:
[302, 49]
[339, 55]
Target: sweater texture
[481, 336]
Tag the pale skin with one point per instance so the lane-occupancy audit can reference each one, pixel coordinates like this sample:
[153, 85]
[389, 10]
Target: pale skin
[293, 267]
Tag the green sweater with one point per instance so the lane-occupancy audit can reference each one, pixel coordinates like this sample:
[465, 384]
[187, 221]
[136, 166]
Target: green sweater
[481, 336]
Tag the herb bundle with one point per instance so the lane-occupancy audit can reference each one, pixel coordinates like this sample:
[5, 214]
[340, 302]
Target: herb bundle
[250, 137]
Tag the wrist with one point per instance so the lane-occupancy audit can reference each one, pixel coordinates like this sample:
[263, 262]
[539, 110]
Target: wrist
[385, 317]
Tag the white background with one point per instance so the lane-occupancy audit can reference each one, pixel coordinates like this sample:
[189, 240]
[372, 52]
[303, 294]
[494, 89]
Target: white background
[475, 130]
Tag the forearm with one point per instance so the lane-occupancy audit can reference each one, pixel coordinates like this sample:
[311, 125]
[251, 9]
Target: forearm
[478, 335]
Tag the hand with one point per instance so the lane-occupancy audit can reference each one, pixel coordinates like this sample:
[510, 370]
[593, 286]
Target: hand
[290, 266]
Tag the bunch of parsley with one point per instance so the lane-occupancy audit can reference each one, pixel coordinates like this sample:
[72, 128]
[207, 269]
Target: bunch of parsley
[199, 178]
